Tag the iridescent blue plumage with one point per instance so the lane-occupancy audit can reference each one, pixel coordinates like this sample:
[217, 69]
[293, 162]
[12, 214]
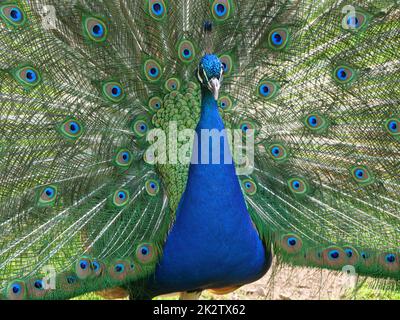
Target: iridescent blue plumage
[213, 243]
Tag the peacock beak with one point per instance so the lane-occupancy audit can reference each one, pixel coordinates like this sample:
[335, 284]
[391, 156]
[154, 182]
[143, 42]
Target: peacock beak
[214, 85]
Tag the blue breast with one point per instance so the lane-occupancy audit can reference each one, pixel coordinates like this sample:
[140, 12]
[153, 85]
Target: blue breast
[213, 243]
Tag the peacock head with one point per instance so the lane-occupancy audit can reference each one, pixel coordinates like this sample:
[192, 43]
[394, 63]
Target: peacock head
[210, 72]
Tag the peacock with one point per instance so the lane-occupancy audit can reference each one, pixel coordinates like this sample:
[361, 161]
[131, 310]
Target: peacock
[109, 182]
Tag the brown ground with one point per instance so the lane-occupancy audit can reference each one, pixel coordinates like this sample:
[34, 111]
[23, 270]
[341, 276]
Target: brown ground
[294, 284]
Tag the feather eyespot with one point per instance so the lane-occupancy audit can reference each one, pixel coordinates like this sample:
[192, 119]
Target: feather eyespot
[186, 51]
[118, 270]
[390, 262]
[157, 9]
[334, 256]
[172, 84]
[13, 15]
[369, 258]
[298, 186]
[155, 103]
[123, 158]
[97, 268]
[83, 268]
[121, 198]
[344, 74]
[71, 129]
[28, 76]
[140, 126]
[95, 29]
[225, 103]
[390, 258]
[47, 196]
[267, 89]
[16, 290]
[39, 284]
[278, 38]
[145, 253]
[351, 254]
[249, 187]
[278, 152]
[152, 187]
[356, 22]
[362, 175]
[315, 122]
[291, 243]
[227, 64]
[152, 70]
[221, 9]
[393, 127]
[248, 128]
[37, 288]
[113, 91]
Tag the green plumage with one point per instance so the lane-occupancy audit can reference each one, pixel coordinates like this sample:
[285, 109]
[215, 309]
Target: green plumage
[324, 102]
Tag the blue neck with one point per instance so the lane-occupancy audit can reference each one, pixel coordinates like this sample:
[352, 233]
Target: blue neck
[213, 243]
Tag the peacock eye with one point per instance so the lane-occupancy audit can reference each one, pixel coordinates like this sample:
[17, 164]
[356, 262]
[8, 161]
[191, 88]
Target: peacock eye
[27, 76]
[16, 290]
[39, 284]
[95, 266]
[298, 186]
[393, 126]
[152, 187]
[362, 175]
[333, 254]
[152, 70]
[349, 253]
[267, 89]
[71, 129]
[186, 51]
[120, 198]
[83, 268]
[95, 29]
[221, 9]
[47, 196]
[140, 126]
[357, 21]
[157, 9]
[113, 91]
[12, 14]
[249, 187]
[119, 268]
[291, 243]
[390, 258]
[278, 38]
[155, 103]
[364, 255]
[344, 74]
[226, 63]
[145, 253]
[172, 84]
[316, 122]
[278, 152]
[123, 159]
[225, 103]
[246, 126]
[71, 279]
